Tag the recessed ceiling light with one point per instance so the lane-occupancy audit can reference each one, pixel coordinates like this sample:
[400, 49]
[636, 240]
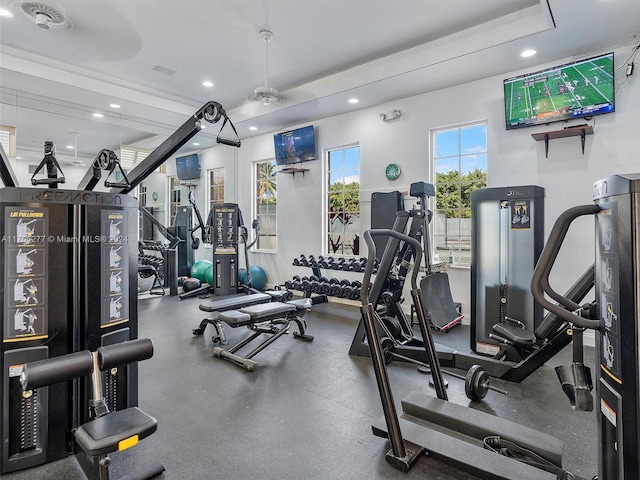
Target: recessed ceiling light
[207, 83]
[528, 53]
[5, 13]
[253, 128]
[196, 144]
[114, 105]
[18, 158]
[70, 147]
[98, 115]
[353, 100]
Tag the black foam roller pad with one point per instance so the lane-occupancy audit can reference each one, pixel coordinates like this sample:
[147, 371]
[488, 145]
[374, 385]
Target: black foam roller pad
[124, 353]
[56, 369]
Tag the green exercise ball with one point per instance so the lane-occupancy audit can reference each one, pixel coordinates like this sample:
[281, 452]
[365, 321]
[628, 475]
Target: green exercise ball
[199, 269]
[208, 274]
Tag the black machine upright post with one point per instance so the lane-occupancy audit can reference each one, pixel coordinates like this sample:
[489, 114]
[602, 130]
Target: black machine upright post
[618, 295]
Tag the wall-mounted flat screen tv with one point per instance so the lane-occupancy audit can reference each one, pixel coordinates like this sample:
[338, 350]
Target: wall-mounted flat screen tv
[576, 90]
[188, 167]
[295, 146]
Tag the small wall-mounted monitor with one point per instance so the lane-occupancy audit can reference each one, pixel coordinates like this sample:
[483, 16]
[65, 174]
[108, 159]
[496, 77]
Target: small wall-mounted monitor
[188, 167]
[575, 90]
[295, 146]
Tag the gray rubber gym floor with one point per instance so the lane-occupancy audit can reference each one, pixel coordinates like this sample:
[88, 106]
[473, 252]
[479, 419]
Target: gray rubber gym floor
[306, 412]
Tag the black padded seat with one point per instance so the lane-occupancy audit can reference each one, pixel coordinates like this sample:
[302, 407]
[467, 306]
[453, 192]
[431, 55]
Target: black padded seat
[258, 313]
[104, 434]
[235, 318]
[236, 302]
[515, 334]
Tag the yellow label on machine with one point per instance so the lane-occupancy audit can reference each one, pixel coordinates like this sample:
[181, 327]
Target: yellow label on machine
[127, 443]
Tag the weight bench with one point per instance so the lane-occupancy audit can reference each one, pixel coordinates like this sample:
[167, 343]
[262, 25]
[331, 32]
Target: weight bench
[273, 319]
[107, 431]
[235, 303]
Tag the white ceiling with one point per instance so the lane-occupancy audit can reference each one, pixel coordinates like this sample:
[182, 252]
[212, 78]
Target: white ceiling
[322, 53]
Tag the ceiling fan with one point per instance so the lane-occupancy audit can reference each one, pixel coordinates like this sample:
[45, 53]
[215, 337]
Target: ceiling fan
[265, 93]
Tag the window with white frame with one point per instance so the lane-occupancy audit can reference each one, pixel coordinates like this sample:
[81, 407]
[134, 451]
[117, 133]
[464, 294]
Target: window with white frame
[459, 155]
[343, 201]
[266, 203]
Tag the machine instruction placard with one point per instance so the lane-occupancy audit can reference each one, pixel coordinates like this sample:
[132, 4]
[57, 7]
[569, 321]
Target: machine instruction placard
[115, 267]
[609, 272]
[25, 239]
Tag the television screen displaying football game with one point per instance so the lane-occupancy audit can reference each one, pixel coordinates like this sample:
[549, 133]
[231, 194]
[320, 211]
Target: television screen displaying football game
[579, 89]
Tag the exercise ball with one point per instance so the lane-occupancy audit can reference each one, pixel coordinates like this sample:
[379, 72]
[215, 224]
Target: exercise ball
[208, 274]
[258, 277]
[191, 284]
[242, 276]
[199, 269]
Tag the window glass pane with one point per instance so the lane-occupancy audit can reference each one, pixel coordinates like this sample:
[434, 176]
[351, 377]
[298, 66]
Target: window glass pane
[343, 201]
[460, 163]
[447, 143]
[473, 139]
[266, 204]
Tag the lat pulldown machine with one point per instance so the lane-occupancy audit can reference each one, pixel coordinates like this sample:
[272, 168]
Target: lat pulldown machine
[89, 239]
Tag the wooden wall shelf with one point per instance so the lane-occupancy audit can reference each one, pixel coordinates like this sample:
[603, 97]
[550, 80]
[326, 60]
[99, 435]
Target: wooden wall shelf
[580, 131]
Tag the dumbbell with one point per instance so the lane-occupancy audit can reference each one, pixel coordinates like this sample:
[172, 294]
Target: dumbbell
[337, 265]
[359, 265]
[296, 283]
[322, 262]
[316, 285]
[312, 261]
[305, 284]
[288, 284]
[330, 261]
[298, 261]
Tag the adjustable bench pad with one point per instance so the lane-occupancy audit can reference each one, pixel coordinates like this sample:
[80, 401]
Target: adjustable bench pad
[102, 435]
[262, 312]
[236, 302]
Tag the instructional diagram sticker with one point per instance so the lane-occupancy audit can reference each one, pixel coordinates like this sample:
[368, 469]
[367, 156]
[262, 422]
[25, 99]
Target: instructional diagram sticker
[26, 250]
[115, 267]
[521, 215]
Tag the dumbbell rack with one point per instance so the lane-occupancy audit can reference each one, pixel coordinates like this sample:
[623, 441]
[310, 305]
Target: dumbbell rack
[318, 287]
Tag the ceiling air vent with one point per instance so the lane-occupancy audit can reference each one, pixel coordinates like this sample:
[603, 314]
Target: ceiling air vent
[44, 15]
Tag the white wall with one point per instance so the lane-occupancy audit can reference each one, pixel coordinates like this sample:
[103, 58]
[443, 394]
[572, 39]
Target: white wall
[514, 158]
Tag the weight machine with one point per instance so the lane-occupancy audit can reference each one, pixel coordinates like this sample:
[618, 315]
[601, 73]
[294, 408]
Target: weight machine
[89, 239]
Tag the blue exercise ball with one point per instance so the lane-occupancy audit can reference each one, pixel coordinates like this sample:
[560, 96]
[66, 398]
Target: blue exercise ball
[242, 276]
[258, 277]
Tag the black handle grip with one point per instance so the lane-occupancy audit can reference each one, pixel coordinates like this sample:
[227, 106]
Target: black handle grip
[47, 181]
[540, 278]
[228, 141]
[124, 353]
[56, 369]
